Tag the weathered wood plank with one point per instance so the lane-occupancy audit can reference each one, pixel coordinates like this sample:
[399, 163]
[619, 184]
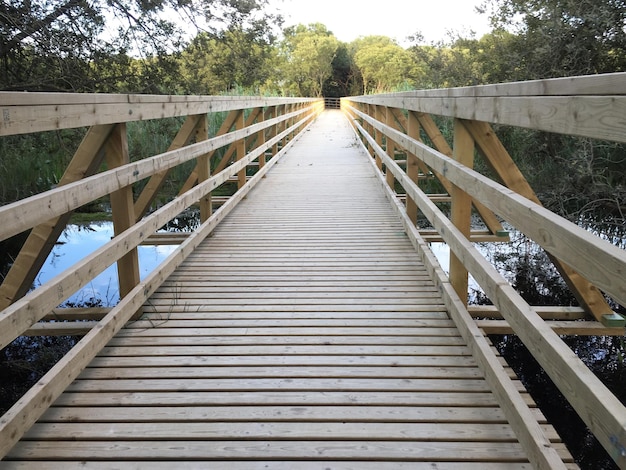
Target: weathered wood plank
[371, 414]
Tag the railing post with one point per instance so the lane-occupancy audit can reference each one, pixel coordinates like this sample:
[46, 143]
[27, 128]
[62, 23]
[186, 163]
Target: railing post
[412, 165]
[240, 147]
[461, 208]
[204, 169]
[265, 114]
[378, 115]
[391, 147]
[122, 208]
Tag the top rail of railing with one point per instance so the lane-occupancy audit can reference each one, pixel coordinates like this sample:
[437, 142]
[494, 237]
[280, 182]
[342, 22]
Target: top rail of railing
[24, 112]
[587, 106]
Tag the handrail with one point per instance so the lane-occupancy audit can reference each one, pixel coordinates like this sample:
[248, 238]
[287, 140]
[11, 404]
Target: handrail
[394, 119]
[282, 125]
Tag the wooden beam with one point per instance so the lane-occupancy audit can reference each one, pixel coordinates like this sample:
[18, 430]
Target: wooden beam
[571, 115]
[412, 166]
[503, 165]
[391, 146]
[37, 112]
[240, 148]
[85, 162]
[155, 183]
[490, 312]
[434, 134]
[122, 209]
[461, 207]
[204, 170]
[598, 260]
[561, 327]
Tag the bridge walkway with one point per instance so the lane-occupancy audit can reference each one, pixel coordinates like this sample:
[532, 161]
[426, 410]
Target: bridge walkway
[304, 333]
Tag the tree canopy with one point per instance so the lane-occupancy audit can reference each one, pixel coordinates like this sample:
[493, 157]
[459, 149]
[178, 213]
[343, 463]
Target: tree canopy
[213, 46]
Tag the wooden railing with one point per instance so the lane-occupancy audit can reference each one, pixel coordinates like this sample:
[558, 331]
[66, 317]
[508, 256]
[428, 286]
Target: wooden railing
[254, 134]
[391, 127]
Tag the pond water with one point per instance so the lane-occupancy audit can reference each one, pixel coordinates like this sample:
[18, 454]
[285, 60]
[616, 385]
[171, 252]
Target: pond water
[78, 241]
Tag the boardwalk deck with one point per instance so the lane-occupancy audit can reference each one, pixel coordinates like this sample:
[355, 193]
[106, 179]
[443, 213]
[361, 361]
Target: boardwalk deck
[304, 334]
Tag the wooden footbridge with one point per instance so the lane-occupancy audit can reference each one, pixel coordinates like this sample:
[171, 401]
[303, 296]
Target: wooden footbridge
[306, 323]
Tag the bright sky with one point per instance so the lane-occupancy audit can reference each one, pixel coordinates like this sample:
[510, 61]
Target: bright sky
[349, 19]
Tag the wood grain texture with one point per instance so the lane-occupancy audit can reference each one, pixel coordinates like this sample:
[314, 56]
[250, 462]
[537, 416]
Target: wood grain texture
[305, 330]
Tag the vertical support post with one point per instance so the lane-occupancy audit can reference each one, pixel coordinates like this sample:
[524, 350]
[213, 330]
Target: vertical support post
[461, 210]
[270, 133]
[122, 208]
[391, 147]
[412, 165]
[240, 146]
[265, 114]
[204, 169]
[378, 115]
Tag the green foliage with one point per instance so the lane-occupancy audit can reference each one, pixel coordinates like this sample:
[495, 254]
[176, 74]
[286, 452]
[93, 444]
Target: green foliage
[307, 54]
[214, 64]
[563, 37]
[49, 45]
[383, 64]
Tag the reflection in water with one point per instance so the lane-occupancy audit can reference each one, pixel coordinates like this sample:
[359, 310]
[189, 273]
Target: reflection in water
[77, 242]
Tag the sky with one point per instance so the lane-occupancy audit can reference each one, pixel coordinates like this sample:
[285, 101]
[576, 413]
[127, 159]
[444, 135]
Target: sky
[397, 19]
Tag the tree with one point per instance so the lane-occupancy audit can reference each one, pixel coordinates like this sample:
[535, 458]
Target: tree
[308, 53]
[234, 58]
[62, 44]
[383, 64]
[563, 37]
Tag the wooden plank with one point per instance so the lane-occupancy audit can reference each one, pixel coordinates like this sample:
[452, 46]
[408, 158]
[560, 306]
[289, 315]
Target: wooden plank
[59, 112]
[600, 84]
[562, 327]
[547, 313]
[261, 398]
[269, 431]
[597, 117]
[275, 465]
[461, 207]
[424, 451]
[288, 349]
[364, 360]
[208, 372]
[259, 414]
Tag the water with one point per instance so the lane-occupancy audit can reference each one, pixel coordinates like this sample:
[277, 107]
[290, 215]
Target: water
[78, 241]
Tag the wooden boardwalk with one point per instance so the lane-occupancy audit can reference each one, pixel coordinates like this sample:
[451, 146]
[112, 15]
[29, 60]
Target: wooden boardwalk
[304, 334]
